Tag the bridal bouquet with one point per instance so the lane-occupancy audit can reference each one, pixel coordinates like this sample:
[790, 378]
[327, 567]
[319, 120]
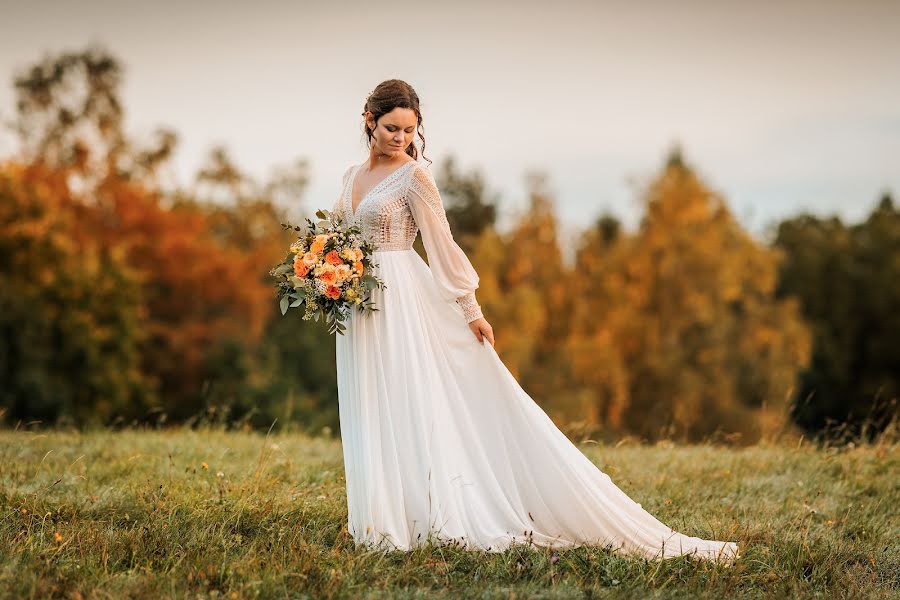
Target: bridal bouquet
[327, 271]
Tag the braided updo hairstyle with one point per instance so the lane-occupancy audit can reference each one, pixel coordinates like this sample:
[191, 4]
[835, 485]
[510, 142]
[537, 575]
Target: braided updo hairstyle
[388, 95]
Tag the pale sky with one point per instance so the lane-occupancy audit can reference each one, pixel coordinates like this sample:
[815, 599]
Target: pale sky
[781, 106]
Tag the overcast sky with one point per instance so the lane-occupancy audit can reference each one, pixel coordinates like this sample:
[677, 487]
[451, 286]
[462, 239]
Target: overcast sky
[782, 106]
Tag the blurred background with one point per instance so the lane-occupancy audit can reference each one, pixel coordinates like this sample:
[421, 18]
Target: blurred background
[684, 215]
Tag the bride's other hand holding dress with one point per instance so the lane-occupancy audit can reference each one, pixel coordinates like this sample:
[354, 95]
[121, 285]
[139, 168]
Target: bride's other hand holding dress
[482, 330]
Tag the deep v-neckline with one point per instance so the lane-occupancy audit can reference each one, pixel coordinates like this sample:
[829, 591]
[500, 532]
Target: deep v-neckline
[383, 180]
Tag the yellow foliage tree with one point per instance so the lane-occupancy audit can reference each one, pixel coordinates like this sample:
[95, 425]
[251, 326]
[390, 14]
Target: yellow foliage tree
[678, 331]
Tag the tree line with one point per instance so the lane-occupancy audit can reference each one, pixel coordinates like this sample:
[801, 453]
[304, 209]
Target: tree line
[124, 300]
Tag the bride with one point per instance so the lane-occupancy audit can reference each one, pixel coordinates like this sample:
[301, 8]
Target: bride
[440, 442]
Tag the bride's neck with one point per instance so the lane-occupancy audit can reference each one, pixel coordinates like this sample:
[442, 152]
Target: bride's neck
[377, 159]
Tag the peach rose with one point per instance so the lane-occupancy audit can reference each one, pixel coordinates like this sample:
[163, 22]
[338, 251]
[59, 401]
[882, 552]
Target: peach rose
[300, 268]
[334, 258]
[343, 271]
[328, 276]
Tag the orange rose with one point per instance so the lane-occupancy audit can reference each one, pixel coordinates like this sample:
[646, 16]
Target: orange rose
[333, 292]
[328, 276]
[317, 247]
[358, 267]
[334, 258]
[300, 268]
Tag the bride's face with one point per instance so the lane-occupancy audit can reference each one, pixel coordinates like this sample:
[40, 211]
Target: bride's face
[394, 131]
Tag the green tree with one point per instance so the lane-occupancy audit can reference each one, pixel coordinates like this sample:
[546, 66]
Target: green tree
[470, 208]
[848, 278]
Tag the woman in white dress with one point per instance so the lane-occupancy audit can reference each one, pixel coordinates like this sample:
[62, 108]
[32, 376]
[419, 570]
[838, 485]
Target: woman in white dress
[440, 442]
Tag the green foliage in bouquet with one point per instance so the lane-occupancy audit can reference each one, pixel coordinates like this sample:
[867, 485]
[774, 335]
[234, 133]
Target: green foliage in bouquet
[327, 271]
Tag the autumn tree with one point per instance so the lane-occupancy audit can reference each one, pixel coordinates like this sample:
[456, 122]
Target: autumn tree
[72, 320]
[526, 297]
[289, 374]
[684, 320]
[197, 291]
[602, 313]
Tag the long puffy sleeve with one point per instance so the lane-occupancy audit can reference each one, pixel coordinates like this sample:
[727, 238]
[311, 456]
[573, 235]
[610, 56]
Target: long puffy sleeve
[452, 270]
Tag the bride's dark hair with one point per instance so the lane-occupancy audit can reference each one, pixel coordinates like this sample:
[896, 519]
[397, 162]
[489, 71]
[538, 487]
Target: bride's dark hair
[388, 95]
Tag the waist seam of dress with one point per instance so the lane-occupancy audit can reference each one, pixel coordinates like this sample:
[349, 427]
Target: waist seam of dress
[384, 248]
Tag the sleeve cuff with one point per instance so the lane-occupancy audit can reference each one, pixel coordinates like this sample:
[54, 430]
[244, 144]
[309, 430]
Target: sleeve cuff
[470, 307]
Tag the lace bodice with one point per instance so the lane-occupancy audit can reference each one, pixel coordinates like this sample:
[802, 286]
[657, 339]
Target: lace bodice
[395, 209]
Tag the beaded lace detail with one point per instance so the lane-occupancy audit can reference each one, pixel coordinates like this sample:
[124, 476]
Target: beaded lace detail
[384, 215]
[470, 306]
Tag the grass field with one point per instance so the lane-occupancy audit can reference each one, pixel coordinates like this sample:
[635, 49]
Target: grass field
[211, 513]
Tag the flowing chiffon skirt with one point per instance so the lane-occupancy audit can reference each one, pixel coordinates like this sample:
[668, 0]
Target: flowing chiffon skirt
[441, 443]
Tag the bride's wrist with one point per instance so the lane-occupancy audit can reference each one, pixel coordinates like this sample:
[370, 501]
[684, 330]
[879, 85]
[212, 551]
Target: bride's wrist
[471, 309]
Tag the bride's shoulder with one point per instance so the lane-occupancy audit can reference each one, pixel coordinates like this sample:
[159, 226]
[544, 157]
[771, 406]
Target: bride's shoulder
[347, 172]
[420, 172]
[421, 183]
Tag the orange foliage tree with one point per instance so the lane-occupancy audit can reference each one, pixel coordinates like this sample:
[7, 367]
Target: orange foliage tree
[71, 310]
[197, 291]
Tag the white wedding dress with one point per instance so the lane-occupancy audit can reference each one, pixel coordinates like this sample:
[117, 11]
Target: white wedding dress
[439, 440]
